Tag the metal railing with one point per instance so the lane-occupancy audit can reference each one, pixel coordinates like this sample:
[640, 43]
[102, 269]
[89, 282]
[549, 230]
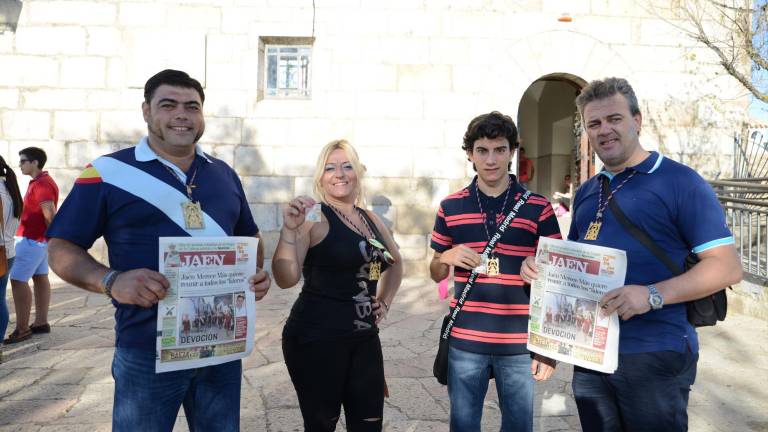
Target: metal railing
[745, 201]
[748, 221]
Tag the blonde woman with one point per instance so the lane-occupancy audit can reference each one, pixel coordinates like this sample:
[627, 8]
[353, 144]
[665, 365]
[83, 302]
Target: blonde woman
[352, 270]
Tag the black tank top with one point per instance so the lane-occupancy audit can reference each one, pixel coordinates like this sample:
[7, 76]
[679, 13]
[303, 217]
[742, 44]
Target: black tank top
[335, 301]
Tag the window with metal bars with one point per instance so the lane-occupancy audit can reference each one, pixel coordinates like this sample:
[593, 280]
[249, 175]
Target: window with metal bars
[287, 71]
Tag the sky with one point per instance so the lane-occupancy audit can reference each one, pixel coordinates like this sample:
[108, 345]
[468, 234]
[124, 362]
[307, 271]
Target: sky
[758, 111]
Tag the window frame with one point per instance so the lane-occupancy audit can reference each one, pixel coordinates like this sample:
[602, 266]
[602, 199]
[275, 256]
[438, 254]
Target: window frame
[304, 47]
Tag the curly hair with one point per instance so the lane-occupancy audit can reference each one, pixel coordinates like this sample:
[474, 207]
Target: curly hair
[492, 125]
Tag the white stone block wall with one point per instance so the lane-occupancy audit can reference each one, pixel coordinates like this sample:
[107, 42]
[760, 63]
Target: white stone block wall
[9, 98]
[44, 40]
[75, 125]
[399, 79]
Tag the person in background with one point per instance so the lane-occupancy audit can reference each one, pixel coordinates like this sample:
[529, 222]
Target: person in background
[563, 197]
[12, 208]
[524, 169]
[32, 247]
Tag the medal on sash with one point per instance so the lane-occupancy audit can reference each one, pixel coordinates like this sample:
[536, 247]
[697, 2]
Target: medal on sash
[193, 215]
[191, 209]
[493, 266]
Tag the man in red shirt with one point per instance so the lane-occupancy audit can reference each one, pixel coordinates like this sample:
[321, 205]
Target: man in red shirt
[32, 247]
[525, 169]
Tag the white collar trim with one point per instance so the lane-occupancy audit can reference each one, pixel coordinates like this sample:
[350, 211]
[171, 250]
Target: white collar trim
[144, 153]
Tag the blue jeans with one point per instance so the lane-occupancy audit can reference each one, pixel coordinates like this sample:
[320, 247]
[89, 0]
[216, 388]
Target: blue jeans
[648, 392]
[468, 375]
[146, 401]
[4, 315]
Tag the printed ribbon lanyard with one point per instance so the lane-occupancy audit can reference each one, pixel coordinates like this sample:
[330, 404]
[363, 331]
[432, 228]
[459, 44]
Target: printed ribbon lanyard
[490, 263]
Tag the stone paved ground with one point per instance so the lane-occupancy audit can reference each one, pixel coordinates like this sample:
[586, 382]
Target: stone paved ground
[61, 381]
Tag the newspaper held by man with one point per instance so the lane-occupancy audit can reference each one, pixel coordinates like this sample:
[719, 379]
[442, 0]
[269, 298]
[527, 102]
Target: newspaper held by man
[566, 322]
[207, 315]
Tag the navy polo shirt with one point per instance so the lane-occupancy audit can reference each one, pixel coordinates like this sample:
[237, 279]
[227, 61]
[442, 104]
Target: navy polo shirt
[131, 226]
[678, 209]
[494, 319]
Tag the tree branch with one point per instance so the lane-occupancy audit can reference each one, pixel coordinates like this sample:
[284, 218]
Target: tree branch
[745, 31]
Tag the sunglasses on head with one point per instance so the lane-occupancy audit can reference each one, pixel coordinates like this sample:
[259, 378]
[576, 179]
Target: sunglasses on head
[384, 252]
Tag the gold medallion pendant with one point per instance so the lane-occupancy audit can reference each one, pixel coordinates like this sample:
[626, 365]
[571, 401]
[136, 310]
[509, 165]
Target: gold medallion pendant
[374, 273]
[193, 215]
[493, 266]
[593, 230]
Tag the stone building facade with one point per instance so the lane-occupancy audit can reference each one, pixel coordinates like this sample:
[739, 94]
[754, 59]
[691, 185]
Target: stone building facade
[399, 78]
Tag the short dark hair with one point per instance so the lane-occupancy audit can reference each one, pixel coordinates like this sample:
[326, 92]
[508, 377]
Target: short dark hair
[605, 88]
[35, 154]
[173, 78]
[492, 125]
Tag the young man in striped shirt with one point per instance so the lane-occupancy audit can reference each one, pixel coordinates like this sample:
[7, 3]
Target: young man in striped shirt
[490, 332]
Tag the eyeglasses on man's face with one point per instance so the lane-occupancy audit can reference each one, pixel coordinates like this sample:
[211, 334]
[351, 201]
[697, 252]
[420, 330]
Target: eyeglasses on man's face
[23, 161]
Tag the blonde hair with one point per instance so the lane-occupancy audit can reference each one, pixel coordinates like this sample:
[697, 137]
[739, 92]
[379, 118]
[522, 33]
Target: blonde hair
[358, 167]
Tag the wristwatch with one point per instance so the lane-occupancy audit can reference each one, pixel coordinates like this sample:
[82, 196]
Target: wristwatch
[654, 297]
[108, 280]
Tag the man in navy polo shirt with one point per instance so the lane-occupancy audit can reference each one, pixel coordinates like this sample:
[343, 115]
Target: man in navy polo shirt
[490, 332]
[658, 348]
[131, 198]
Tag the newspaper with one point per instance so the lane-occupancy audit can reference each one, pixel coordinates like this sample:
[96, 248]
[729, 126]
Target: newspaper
[565, 321]
[207, 316]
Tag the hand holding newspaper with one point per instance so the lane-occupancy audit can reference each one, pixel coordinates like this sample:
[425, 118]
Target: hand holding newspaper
[566, 323]
[207, 316]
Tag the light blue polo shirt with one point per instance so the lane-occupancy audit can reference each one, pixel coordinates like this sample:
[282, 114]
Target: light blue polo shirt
[678, 209]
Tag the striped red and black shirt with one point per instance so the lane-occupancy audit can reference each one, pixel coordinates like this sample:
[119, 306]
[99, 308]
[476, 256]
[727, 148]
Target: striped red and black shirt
[494, 319]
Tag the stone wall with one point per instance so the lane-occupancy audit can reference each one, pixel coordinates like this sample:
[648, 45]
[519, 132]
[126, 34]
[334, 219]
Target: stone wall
[399, 78]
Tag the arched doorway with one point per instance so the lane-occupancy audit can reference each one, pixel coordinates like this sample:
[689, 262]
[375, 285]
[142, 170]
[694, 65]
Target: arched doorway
[550, 132]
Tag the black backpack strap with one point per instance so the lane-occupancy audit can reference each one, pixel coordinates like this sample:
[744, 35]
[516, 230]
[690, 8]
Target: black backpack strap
[638, 233]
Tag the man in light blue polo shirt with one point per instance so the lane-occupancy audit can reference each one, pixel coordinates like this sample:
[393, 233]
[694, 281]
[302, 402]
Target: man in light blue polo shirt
[671, 203]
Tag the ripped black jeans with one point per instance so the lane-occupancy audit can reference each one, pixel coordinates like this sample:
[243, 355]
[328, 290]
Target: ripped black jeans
[329, 374]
